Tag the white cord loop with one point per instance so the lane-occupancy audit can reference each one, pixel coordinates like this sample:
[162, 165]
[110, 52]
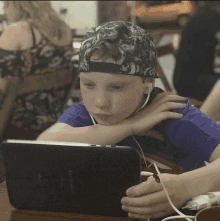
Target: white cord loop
[148, 96]
[156, 177]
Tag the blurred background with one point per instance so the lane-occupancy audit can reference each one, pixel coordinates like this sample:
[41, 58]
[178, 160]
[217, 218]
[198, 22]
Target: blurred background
[186, 35]
[163, 19]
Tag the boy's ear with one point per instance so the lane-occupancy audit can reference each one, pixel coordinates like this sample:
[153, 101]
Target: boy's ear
[149, 85]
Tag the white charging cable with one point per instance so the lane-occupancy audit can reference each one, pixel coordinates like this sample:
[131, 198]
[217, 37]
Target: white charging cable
[181, 215]
[188, 218]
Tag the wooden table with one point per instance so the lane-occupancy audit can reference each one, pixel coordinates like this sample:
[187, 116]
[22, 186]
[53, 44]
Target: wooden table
[9, 213]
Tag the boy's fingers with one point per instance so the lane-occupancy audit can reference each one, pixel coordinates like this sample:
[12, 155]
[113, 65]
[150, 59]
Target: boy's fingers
[161, 107]
[163, 116]
[166, 115]
[168, 97]
[161, 95]
[150, 121]
[157, 98]
[170, 106]
[150, 186]
[166, 106]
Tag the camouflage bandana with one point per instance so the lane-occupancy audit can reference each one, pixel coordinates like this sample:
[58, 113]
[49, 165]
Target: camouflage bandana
[138, 52]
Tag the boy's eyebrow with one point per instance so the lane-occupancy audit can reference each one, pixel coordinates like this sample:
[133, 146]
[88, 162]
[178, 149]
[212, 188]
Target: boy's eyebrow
[113, 82]
[121, 82]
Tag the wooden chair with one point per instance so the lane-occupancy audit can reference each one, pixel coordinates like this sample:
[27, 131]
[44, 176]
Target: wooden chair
[7, 102]
[53, 78]
[75, 92]
[161, 51]
[5, 110]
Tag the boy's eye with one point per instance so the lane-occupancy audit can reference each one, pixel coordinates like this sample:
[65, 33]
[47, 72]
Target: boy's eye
[113, 87]
[89, 85]
[117, 87]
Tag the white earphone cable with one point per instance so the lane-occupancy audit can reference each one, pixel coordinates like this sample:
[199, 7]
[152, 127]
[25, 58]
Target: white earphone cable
[148, 96]
[166, 192]
[93, 121]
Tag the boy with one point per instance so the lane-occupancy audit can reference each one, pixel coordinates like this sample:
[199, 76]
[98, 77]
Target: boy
[117, 66]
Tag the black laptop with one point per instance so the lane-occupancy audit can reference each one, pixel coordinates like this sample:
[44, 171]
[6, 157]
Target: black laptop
[69, 177]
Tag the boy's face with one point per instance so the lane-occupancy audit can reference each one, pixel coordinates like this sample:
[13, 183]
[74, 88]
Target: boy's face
[110, 98]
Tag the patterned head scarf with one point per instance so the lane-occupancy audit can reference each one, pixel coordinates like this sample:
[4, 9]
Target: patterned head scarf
[138, 52]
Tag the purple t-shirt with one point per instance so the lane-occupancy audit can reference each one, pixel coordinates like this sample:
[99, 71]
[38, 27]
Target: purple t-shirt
[189, 141]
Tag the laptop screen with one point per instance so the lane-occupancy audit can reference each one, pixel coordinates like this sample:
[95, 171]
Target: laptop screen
[69, 177]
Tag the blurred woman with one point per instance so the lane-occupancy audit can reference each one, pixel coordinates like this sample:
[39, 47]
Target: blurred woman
[211, 106]
[194, 73]
[35, 41]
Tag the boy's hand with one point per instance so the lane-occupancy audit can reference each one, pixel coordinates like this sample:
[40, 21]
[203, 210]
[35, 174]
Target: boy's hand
[149, 201]
[160, 109]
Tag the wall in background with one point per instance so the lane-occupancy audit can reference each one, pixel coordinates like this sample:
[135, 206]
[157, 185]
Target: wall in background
[113, 11]
[1, 7]
[81, 15]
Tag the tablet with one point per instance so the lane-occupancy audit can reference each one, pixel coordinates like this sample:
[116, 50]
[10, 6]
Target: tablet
[69, 177]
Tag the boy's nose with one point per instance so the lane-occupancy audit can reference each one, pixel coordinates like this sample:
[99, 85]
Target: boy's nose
[101, 101]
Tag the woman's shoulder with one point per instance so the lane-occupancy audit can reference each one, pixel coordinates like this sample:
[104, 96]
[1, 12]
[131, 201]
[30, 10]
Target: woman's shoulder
[13, 36]
[17, 25]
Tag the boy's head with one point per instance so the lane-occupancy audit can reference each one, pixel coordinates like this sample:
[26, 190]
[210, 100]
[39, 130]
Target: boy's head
[115, 54]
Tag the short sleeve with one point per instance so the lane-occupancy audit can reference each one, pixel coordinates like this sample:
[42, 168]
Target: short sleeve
[76, 116]
[195, 136]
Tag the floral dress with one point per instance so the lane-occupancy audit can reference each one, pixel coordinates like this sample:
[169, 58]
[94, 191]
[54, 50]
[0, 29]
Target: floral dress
[34, 110]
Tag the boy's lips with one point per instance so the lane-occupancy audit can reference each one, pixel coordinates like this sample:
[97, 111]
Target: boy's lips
[103, 115]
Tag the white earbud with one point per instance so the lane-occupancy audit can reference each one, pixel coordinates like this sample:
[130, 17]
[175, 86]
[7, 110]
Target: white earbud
[145, 103]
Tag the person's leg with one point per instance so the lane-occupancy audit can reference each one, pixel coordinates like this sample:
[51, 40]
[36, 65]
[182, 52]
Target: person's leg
[211, 106]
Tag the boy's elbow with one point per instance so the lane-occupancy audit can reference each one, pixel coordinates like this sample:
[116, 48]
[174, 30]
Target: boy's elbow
[55, 133]
[48, 134]
[44, 137]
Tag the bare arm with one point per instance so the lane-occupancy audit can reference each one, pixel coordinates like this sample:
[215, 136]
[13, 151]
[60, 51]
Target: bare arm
[211, 106]
[10, 40]
[138, 124]
[16, 36]
[95, 134]
[181, 189]
[205, 179]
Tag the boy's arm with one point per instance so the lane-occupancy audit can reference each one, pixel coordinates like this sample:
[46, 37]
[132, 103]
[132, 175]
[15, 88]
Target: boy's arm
[140, 123]
[205, 179]
[181, 188]
[95, 134]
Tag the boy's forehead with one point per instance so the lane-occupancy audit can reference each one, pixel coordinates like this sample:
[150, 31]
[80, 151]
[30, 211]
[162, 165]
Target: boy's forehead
[107, 76]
